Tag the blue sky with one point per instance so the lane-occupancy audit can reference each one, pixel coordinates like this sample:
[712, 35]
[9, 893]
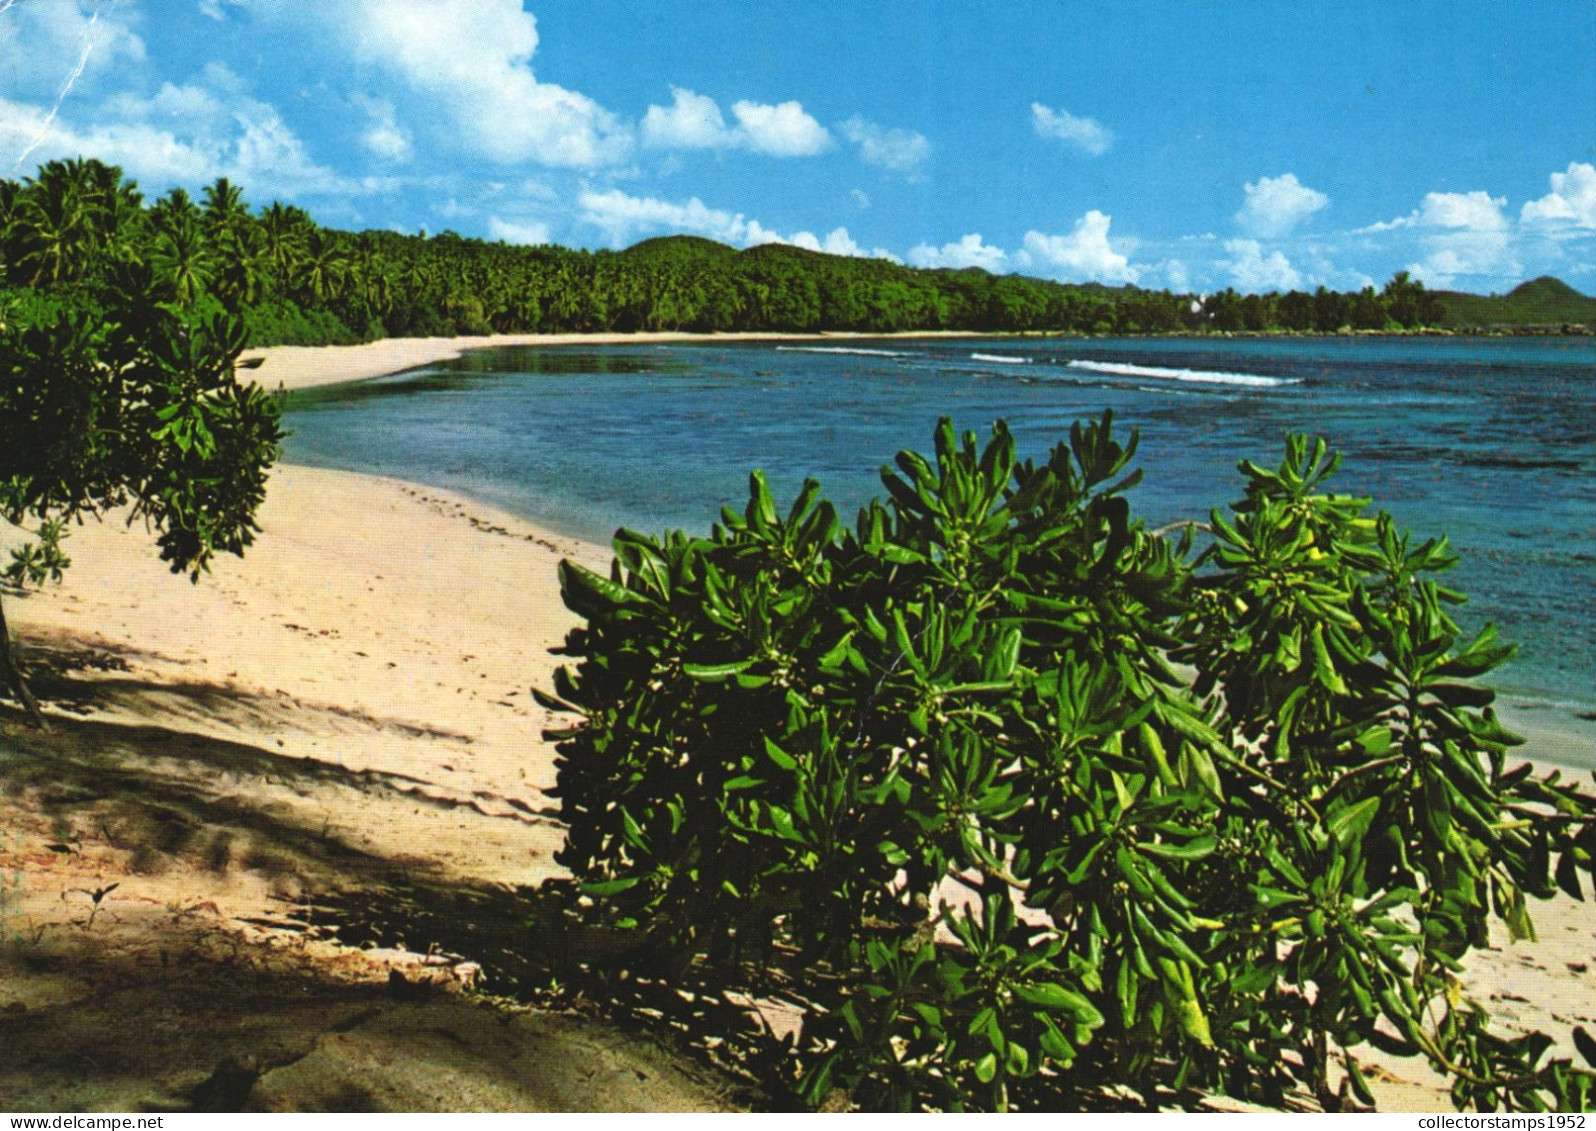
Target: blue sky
[1193, 145]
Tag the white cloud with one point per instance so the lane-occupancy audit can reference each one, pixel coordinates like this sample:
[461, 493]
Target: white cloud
[971, 251]
[1175, 274]
[1483, 255]
[782, 130]
[383, 137]
[511, 232]
[1475, 211]
[1468, 237]
[623, 216]
[1572, 201]
[472, 59]
[753, 233]
[217, 9]
[1276, 205]
[184, 134]
[143, 151]
[44, 42]
[860, 198]
[1085, 134]
[694, 121]
[1251, 270]
[1464, 235]
[897, 151]
[1084, 254]
[839, 242]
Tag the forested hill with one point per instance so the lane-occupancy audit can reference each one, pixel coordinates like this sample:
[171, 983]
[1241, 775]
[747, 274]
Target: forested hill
[1540, 302]
[78, 224]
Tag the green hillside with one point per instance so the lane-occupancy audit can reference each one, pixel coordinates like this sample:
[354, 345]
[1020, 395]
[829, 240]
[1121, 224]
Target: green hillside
[678, 251]
[1540, 302]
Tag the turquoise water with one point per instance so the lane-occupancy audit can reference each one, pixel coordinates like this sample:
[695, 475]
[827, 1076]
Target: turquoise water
[1492, 441]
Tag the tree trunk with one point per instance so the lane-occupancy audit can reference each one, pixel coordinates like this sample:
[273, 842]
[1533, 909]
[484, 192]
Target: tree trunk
[13, 675]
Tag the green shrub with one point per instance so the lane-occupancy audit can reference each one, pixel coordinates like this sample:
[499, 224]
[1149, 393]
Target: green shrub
[27, 307]
[140, 406]
[281, 322]
[1016, 797]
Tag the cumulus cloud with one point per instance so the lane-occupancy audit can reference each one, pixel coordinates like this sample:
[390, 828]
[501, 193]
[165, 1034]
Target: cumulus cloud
[383, 136]
[1276, 205]
[1252, 270]
[1476, 211]
[1470, 239]
[1461, 235]
[1084, 254]
[1571, 203]
[971, 251]
[695, 121]
[185, 134]
[1482, 255]
[782, 130]
[472, 60]
[624, 218]
[692, 121]
[146, 152]
[529, 234]
[838, 242]
[897, 151]
[1085, 134]
[1175, 275]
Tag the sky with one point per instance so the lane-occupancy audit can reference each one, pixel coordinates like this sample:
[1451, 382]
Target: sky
[1174, 143]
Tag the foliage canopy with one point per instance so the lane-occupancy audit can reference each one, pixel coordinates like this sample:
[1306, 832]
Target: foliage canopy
[139, 407]
[296, 282]
[1014, 796]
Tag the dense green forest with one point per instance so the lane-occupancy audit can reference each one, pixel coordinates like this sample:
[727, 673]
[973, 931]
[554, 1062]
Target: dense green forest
[1540, 302]
[67, 231]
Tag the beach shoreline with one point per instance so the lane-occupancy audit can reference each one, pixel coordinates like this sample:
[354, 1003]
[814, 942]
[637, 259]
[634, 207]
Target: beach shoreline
[348, 709]
[1557, 736]
[290, 368]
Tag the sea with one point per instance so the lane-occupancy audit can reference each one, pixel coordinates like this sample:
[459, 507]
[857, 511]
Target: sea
[1490, 441]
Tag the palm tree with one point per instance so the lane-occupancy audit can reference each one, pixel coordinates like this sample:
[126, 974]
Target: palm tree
[240, 263]
[371, 279]
[284, 231]
[10, 191]
[182, 258]
[224, 209]
[173, 210]
[324, 270]
[55, 231]
[116, 208]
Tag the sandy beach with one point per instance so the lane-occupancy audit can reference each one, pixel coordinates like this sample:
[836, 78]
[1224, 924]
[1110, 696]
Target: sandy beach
[302, 367]
[344, 717]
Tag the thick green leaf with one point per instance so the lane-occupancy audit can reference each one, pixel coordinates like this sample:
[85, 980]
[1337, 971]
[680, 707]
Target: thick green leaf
[1351, 822]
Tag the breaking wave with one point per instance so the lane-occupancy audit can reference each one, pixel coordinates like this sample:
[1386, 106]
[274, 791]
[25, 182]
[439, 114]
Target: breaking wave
[860, 352]
[1000, 358]
[1199, 376]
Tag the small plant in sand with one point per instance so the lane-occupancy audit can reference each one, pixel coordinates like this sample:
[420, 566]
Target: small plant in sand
[137, 407]
[1017, 799]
